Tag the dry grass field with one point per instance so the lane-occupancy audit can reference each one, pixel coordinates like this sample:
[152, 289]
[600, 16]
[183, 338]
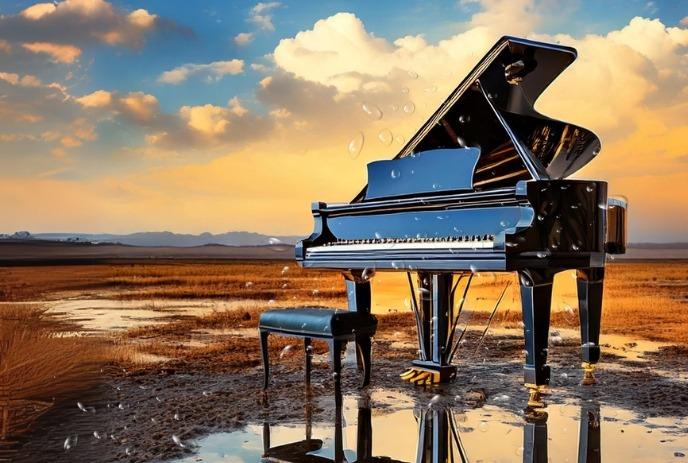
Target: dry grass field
[644, 299]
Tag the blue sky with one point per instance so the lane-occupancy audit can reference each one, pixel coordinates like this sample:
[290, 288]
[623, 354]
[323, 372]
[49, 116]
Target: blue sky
[120, 113]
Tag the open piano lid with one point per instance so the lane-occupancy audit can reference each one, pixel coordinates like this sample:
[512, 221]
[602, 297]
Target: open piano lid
[492, 109]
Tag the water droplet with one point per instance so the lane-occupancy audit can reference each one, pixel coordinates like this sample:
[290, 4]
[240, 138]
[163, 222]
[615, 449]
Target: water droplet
[120, 406]
[504, 223]
[404, 90]
[413, 74]
[68, 443]
[473, 268]
[589, 188]
[178, 441]
[464, 119]
[575, 247]
[602, 205]
[462, 143]
[285, 285]
[502, 398]
[409, 107]
[542, 254]
[399, 139]
[394, 107]
[128, 451]
[286, 351]
[271, 302]
[564, 376]
[81, 407]
[386, 137]
[176, 417]
[206, 393]
[395, 173]
[372, 111]
[435, 399]
[541, 217]
[394, 265]
[483, 426]
[356, 145]
[315, 292]
[248, 284]
[285, 269]
[97, 435]
[511, 244]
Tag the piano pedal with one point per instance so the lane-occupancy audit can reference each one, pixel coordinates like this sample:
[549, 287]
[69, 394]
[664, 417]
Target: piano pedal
[535, 397]
[588, 374]
[409, 374]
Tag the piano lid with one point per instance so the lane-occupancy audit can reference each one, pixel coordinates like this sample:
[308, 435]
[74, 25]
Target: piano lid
[493, 109]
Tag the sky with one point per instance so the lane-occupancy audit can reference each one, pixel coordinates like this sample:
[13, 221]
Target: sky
[231, 115]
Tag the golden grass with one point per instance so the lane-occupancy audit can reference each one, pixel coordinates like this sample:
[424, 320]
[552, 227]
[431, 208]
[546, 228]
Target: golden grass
[39, 363]
[643, 299]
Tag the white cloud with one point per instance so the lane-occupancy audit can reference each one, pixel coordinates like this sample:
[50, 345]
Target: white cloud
[236, 108]
[97, 99]
[207, 119]
[261, 16]
[243, 38]
[212, 71]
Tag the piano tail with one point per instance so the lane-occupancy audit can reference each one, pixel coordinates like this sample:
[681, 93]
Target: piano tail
[590, 284]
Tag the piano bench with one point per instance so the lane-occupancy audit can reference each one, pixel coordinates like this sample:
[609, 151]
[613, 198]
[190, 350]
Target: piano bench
[335, 326]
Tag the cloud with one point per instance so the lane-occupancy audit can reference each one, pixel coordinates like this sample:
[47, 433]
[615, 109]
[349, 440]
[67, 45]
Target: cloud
[212, 71]
[243, 38]
[59, 53]
[684, 21]
[77, 23]
[261, 16]
[97, 99]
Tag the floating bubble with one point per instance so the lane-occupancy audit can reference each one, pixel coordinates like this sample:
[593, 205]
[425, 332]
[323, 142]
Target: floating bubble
[395, 173]
[483, 426]
[176, 417]
[504, 223]
[399, 139]
[372, 111]
[413, 74]
[356, 145]
[409, 107]
[248, 284]
[81, 407]
[271, 302]
[542, 254]
[274, 241]
[206, 393]
[589, 188]
[285, 269]
[120, 406]
[385, 137]
[473, 268]
[404, 90]
[575, 247]
[285, 285]
[541, 217]
[464, 119]
[177, 440]
[367, 273]
[128, 451]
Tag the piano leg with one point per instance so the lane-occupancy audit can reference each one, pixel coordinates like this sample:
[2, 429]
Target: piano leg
[536, 299]
[435, 314]
[590, 285]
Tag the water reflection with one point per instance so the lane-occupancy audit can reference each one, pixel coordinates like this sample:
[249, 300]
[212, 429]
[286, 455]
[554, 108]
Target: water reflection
[438, 438]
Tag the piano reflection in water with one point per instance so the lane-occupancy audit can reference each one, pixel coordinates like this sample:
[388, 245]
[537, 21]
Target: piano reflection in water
[439, 438]
[482, 186]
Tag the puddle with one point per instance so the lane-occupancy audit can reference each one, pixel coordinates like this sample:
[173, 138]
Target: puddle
[583, 431]
[110, 315]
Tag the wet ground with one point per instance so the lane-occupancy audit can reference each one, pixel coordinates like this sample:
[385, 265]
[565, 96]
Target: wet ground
[177, 411]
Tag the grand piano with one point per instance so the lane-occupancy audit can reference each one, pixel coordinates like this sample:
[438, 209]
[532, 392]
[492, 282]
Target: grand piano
[481, 187]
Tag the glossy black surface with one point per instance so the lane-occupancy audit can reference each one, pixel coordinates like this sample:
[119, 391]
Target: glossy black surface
[519, 215]
[434, 171]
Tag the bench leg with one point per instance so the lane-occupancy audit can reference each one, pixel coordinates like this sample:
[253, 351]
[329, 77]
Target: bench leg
[266, 357]
[308, 351]
[363, 347]
[336, 347]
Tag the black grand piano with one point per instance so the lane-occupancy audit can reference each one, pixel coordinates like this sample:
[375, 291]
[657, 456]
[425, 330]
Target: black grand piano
[482, 186]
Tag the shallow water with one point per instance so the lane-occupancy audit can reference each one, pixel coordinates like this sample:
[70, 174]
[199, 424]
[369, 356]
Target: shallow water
[580, 430]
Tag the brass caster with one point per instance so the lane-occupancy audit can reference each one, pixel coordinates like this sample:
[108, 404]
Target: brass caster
[588, 374]
[420, 377]
[535, 397]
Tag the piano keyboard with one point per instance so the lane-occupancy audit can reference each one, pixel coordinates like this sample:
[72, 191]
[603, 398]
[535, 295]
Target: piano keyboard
[445, 242]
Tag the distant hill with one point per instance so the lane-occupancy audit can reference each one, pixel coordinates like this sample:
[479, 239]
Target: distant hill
[164, 238]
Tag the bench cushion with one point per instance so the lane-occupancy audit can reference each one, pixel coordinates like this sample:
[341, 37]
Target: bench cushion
[317, 322]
